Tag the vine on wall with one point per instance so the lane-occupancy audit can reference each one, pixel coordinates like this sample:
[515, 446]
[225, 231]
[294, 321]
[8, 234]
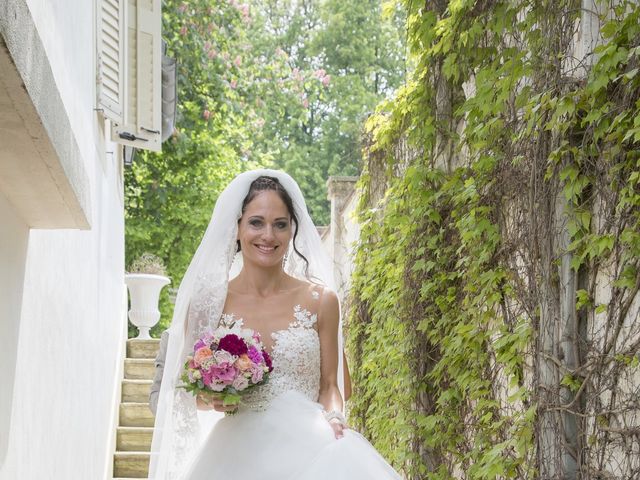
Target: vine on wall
[494, 327]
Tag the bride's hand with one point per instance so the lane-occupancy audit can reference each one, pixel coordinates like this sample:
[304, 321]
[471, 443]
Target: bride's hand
[338, 427]
[212, 402]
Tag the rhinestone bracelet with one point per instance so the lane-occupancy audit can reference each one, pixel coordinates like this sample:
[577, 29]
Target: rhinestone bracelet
[334, 414]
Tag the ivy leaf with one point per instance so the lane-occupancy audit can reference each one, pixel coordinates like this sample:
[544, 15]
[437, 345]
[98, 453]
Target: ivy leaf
[582, 299]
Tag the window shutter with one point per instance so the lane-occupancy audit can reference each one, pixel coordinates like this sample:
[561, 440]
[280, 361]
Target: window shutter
[111, 55]
[142, 124]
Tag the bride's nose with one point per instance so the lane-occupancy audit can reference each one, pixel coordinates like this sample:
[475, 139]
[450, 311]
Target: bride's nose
[268, 233]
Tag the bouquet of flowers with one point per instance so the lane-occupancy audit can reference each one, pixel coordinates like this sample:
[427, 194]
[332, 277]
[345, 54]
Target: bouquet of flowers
[228, 362]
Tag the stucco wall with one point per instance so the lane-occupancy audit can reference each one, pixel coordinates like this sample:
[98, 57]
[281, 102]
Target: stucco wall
[69, 330]
[351, 234]
[13, 252]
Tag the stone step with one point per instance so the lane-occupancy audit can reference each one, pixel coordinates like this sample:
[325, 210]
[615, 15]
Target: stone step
[142, 348]
[139, 369]
[131, 464]
[136, 390]
[136, 415]
[134, 439]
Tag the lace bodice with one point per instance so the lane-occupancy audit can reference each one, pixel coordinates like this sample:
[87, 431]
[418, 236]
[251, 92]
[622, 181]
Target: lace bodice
[296, 361]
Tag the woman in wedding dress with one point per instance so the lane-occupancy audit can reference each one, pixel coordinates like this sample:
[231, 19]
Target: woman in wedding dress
[261, 265]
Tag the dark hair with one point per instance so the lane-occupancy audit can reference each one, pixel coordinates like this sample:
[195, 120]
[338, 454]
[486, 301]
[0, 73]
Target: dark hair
[265, 183]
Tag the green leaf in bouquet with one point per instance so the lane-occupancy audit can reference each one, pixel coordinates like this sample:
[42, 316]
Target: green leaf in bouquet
[231, 399]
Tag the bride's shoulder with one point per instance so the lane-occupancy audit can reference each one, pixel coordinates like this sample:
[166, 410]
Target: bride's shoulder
[318, 298]
[313, 291]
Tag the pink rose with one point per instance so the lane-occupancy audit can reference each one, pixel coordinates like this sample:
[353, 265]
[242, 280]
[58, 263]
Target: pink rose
[240, 383]
[243, 363]
[217, 386]
[237, 61]
[201, 355]
[257, 372]
[206, 114]
[222, 356]
[326, 79]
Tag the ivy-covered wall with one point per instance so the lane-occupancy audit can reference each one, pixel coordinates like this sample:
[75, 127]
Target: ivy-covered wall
[494, 326]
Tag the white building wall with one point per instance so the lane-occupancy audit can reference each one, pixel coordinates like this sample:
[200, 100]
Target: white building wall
[68, 331]
[13, 252]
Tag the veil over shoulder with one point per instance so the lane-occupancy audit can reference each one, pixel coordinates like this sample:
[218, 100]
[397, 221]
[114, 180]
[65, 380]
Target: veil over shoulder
[179, 427]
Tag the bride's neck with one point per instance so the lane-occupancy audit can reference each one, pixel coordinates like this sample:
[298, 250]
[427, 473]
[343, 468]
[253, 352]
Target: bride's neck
[259, 281]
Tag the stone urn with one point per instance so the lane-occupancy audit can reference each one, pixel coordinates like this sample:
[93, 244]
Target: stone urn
[144, 292]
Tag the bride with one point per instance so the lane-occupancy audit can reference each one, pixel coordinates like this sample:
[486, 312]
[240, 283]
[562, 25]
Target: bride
[261, 264]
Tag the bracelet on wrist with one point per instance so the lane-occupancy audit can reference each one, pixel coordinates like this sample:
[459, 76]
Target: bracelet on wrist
[335, 415]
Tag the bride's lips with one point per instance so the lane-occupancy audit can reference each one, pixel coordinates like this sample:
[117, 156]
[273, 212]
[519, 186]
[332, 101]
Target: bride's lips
[266, 249]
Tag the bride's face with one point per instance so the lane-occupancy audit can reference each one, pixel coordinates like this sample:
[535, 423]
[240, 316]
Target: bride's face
[265, 230]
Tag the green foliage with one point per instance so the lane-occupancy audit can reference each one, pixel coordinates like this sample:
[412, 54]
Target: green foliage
[336, 61]
[441, 316]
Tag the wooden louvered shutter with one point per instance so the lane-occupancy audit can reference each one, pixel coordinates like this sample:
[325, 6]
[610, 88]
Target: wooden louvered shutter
[143, 114]
[111, 58]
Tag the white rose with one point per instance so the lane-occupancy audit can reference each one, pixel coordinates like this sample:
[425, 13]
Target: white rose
[222, 356]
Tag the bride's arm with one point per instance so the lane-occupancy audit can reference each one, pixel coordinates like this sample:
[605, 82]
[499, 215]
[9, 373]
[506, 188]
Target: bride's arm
[328, 320]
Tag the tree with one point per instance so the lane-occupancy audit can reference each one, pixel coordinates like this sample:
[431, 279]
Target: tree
[339, 60]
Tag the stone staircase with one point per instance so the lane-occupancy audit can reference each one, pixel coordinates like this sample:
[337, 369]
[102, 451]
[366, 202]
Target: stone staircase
[135, 428]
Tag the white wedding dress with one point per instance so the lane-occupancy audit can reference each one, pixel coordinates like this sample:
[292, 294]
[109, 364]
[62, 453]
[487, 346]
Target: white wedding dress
[279, 431]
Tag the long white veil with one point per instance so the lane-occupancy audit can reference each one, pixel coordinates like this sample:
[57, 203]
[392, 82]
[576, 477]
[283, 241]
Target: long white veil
[201, 296]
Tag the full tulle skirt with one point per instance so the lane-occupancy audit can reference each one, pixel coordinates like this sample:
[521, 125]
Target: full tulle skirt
[289, 440]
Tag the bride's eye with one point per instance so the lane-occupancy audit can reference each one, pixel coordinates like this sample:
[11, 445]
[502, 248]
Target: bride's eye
[255, 222]
[282, 225]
